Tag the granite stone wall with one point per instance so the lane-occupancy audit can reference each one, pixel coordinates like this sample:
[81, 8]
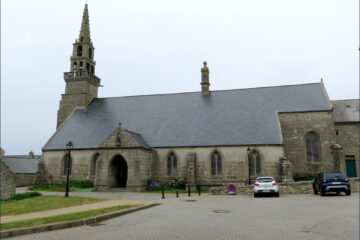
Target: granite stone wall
[294, 127]
[234, 163]
[348, 137]
[25, 179]
[8, 181]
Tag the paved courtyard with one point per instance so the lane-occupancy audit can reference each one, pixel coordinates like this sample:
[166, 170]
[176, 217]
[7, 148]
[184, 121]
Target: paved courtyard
[227, 217]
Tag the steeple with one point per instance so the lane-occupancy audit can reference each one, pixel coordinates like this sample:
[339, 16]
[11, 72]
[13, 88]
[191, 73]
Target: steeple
[84, 35]
[81, 82]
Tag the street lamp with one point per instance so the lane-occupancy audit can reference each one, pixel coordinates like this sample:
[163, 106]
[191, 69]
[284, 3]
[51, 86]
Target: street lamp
[69, 146]
[248, 150]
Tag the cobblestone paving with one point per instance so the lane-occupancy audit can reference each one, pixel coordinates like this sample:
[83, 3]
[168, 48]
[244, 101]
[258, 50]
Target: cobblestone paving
[239, 217]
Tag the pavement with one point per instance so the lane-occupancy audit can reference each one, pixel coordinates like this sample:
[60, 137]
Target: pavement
[226, 217]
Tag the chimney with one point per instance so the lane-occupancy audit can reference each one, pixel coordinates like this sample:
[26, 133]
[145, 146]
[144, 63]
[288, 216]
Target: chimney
[31, 154]
[205, 80]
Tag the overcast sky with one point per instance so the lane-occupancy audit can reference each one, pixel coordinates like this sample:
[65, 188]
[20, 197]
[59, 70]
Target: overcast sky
[158, 46]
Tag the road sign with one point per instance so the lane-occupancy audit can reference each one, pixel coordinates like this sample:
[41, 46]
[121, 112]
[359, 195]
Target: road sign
[231, 189]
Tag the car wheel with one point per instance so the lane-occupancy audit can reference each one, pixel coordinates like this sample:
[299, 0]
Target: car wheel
[316, 192]
[322, 192]
[255, 195]
[277, 194]
[348, 192]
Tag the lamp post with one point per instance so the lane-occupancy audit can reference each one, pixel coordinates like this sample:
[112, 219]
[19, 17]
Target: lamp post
[69, 146]
[248, 150]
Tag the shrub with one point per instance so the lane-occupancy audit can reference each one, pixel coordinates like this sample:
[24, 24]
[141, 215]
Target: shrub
[305, 177]
[81, 184]
[179, 183]
[24, 195]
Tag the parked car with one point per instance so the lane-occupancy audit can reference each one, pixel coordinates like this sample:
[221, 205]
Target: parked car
[266, 185]
[331, 182]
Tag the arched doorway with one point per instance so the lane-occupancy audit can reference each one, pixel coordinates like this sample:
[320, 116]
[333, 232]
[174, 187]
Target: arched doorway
[118, 172]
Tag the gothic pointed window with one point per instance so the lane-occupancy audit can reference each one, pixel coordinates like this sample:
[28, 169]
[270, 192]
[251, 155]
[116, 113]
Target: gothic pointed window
[216, 163]
[79, 51]
[255, 163]
[312, 141]
[67, 163]
[172, 165]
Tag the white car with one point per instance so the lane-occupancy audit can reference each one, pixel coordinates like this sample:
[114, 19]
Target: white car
[266, 185]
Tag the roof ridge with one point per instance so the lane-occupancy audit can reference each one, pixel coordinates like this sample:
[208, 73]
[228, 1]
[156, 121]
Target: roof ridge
[132, 132]
[223, 90]
[345, 100]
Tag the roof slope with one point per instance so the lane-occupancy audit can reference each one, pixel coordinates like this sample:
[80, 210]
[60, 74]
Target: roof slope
[346, 110]
[21, 164]
[230, 117]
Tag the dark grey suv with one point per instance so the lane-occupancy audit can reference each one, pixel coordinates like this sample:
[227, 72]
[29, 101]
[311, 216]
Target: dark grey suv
[331, 182]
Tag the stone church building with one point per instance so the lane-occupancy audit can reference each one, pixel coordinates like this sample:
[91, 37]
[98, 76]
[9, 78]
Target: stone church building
[206, 137]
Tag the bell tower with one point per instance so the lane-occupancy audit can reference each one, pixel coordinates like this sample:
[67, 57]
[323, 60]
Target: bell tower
[81, 82]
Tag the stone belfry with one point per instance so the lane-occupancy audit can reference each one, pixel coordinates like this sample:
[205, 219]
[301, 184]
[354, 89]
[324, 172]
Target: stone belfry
[81, 82]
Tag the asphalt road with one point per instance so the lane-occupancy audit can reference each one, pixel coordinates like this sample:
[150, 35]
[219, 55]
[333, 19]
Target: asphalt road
[229, 217]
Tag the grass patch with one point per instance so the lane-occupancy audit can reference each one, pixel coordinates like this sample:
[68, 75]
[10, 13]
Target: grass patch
[63, 218]
[61, 188]
[42, 203]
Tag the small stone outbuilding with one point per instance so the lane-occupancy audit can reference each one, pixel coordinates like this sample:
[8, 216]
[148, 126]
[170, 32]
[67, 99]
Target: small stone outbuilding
[25, 167]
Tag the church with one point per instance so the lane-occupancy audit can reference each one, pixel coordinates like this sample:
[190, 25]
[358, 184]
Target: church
[207, 137]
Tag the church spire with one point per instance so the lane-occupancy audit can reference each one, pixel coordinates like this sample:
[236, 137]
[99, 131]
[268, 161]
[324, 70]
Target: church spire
[84, 35]
[81, 82]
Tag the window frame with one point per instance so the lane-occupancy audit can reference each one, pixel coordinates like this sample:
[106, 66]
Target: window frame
[171, 164]
[312, 147]
[216, 160]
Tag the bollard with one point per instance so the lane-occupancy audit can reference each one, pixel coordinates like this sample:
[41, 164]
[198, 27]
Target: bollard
[189, 191]
[199, 190]
[163, 192]
[177, 192]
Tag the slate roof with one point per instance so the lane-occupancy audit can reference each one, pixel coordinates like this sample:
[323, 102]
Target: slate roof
[21, 163]
[346, 110]
[229, 117]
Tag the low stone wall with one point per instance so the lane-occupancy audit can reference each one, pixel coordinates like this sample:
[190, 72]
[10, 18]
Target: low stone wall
[25, 179]
[303, 187]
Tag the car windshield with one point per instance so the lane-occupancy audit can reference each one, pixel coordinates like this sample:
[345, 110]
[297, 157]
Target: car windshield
[335, 175]
[264, 180]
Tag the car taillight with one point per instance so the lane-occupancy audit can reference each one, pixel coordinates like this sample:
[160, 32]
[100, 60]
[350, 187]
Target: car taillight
[256, 184]
[274, 184]
[324, 180]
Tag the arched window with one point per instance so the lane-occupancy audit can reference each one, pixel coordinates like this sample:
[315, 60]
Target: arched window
[67, 164]
[254, 163]
[171, 164]
[90, 53]
[216, 163]
[93, 164]
[312, 146]
[79, 51]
